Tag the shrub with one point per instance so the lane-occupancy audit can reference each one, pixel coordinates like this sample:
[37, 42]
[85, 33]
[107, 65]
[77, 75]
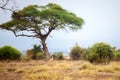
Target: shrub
[40, 55]
[54, 56]
[117, 56]
[36, 49]
[100, 53]
[8, 52]
[57, 56]
[77, 53]
[60, 56]
[30, 54]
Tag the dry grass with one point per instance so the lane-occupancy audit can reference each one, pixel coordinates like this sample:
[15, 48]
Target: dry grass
[58, 70]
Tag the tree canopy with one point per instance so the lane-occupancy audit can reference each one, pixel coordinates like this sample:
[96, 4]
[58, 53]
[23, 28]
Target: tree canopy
[41, 17]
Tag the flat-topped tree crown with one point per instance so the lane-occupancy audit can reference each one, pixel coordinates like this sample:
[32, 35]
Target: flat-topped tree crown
[40, 21]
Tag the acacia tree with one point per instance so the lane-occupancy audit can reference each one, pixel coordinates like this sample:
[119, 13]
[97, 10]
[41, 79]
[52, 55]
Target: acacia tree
[40, 21]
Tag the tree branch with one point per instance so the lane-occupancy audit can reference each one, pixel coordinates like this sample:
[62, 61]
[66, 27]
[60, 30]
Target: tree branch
[3, 5]
[50, 30]
[17, 35]
[3, 8]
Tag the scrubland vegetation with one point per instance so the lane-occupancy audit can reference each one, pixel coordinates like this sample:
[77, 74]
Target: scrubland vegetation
[98, 62]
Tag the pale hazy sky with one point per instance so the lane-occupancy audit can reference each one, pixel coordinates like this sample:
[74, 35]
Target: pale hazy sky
[102, 24]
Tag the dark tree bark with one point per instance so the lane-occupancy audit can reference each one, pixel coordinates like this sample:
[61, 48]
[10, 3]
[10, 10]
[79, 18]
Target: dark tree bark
[44, 45]
[45, 49]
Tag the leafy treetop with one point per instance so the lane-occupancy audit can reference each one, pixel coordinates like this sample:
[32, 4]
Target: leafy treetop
[51, 16]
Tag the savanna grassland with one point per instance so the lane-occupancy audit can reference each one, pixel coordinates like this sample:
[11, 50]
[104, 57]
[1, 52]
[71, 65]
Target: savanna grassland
[58, 70]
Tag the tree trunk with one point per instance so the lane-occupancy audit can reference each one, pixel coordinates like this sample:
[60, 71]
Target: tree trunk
[45, 49]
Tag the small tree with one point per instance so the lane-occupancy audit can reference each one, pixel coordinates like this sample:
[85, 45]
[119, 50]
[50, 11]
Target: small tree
[77, 53]
[40, 21]
[100, 53]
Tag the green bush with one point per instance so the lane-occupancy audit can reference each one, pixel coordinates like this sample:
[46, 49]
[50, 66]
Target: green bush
[77, 53]
[54, 56]
[117, 56]
[100, 53]
[40, 55]
[8, 52]
[57, 56]
[60, 56]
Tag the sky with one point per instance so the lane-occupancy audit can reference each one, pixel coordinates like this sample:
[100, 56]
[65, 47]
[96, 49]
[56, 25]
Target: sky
[102, 24]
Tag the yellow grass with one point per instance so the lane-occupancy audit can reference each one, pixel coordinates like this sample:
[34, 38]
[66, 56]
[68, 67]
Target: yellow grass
[58, 70]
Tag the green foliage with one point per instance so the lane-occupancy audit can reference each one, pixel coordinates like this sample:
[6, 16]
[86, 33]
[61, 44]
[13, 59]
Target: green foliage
[32, 53]
[57, 56]
[30, 10]
[100, 53]
[51, 15]
[36, 49]
[77, 53]
[60, 56]
[8, 52]
[40, 55]
[117, 56]
[54, 56]
[61, 16]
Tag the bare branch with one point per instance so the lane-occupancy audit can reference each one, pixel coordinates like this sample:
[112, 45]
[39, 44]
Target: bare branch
[3, 5]
[49, 31]
[3, 8]
[17, 35]
[22, 34]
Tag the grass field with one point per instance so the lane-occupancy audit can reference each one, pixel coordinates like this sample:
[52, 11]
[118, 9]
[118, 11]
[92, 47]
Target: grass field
[58, 70]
